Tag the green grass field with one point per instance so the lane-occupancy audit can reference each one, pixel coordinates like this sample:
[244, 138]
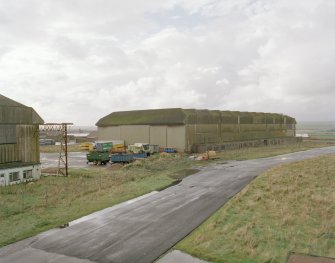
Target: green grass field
[288, 208]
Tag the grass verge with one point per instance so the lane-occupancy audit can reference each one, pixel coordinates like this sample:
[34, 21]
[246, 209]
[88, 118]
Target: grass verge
[288, 208]
[271, 150]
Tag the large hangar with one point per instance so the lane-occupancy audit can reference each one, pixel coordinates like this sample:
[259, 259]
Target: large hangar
[195, 130]
[19, 142]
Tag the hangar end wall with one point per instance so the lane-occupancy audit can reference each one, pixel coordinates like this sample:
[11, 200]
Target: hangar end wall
[158, 135]
[109, 133]
[162, 135]
[176, 137]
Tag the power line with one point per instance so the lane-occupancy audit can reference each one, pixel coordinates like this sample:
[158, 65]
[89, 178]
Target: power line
[62, 129]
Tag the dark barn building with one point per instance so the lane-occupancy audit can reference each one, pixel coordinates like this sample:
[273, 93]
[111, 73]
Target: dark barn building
[19, 142]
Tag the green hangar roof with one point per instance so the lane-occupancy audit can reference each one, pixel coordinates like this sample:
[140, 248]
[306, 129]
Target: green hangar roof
[143, 117]
[12, 112]
[178, 116]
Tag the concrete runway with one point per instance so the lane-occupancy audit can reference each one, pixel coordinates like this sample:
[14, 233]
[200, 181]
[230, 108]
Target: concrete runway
[143, 230]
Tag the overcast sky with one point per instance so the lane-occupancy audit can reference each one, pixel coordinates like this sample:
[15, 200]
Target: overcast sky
[79, 60]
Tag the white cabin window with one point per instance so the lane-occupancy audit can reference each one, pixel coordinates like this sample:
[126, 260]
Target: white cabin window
[2, 179]
[14, 176]
[27, 174]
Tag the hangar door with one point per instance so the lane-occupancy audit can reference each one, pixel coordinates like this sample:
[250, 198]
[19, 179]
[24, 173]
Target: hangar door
[158, 135]
[176, 137]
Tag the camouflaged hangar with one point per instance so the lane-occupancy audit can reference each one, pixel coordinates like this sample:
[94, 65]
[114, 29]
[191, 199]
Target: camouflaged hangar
[193, 130]
[19, 142]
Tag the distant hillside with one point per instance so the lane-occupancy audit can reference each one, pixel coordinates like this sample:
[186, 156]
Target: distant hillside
[317, 130]
[315, 125]
[81, 129]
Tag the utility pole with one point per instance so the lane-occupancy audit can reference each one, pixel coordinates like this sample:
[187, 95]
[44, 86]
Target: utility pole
[62, 129]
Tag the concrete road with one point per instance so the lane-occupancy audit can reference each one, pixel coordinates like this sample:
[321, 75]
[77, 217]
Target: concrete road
[141, 231]
[75, 159]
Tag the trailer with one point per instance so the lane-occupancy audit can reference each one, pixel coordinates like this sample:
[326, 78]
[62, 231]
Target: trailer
[127, 157]
[96, 157]
[105, 146]
[169, 150]
[100, 154]
[144, 148]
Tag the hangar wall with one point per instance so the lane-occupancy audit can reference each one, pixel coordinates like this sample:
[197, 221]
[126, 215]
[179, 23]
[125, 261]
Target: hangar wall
[176, 137]
[132, 134]
[163, 135]
[128, 133]
[186, 129]
[227, 127]
[158, 135]
[109, 133]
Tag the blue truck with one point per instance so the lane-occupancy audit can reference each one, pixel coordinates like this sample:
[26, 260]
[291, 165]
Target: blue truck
[126, 157]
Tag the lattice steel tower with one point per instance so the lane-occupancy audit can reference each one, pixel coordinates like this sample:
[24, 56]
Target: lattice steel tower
[62, 129]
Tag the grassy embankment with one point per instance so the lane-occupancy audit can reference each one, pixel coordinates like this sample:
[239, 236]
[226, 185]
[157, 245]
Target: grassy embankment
[28, 209]
[273, 150]
[288, 208]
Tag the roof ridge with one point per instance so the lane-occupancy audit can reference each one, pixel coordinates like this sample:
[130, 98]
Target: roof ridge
[9, 102]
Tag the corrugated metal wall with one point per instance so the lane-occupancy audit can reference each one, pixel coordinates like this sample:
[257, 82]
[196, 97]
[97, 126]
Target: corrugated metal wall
[13, 115]
[27, 141]
[7, 133]
[26, 147]
[243, 126]
[19, 128]
[9, 153]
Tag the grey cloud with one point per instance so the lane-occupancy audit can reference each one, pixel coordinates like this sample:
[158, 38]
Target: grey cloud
[70, 48]
[4, 50]
[101, 56]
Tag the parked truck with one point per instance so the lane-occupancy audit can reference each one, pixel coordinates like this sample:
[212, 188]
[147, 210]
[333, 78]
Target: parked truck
[96, 157]
[143, 148]
[126, 157]
[100, 154]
